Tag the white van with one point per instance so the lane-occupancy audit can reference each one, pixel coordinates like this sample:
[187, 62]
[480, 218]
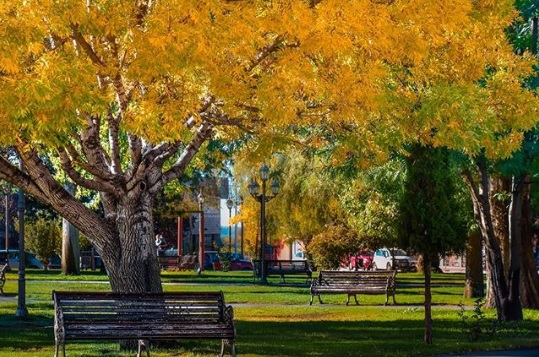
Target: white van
[31, 259]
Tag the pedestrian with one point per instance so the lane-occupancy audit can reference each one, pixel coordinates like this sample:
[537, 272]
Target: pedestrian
[160, 244]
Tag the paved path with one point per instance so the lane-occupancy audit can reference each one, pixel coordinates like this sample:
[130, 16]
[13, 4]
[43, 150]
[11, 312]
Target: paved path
[534, 352]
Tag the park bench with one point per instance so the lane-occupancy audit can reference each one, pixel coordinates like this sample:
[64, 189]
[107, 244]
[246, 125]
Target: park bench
[186, 262]
[144, 317]
[3, 268]
[285, 267]
[354, 282]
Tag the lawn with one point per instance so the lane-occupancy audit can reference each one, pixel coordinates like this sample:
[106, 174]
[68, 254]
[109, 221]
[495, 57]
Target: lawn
[275, 320]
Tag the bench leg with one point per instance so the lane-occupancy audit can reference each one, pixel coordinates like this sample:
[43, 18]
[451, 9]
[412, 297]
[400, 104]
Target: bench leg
[232, 344]
[348, 299]
[319, 299]
[146, 345]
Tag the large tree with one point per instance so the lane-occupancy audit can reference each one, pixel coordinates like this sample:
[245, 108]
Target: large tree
[122, 94]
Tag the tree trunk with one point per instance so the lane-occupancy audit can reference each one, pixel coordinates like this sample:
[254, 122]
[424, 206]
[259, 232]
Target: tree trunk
[428, 299]
[474, 286]
[132, 267]
[494, 259]
[529, 282]
[513, 307]
[500, 199]
[70, 243]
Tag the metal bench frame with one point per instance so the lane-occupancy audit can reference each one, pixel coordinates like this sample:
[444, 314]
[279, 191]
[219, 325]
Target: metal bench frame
[143, 317]
[284, 267]
[353, 283]
[3, 269]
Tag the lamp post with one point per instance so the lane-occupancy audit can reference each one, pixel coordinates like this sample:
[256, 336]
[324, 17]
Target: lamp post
[240, 204]
[260, 196]
[21, 311]
[201, 241]
[229, 204]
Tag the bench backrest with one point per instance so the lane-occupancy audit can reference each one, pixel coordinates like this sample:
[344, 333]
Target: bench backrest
[288, 265]
[141, 310]
[371, 278]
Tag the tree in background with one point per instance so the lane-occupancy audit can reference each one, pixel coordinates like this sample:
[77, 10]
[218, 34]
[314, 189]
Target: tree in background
[371, 202]
[43, 237]
[329, 248]
[430, 218]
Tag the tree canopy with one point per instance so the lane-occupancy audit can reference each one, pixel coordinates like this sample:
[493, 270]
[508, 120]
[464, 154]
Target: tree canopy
[120, 95]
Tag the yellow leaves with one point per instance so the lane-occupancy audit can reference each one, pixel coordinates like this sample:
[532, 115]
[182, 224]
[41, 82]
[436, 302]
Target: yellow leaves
[387, 70]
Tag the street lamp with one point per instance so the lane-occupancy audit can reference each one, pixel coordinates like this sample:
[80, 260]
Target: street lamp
[229, 204]
[21, 311]
[240, 204]
[201, 241]
[260, 196]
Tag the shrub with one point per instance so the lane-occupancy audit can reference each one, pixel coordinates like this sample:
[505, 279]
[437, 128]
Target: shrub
[328, 248]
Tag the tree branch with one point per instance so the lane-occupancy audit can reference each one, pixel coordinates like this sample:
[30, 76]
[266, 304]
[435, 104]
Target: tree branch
[81, 41]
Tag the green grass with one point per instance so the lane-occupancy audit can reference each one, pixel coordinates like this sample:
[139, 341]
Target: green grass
[274, 320]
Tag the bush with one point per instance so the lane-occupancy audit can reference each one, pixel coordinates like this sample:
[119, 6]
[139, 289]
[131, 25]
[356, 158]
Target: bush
[43, 238]
[328, 248]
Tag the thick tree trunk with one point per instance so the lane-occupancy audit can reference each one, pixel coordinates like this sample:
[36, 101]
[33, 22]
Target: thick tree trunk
[499, 201]
[513, 307]
[428, 299]
[132, 266]
[474, 286]
[529, 282]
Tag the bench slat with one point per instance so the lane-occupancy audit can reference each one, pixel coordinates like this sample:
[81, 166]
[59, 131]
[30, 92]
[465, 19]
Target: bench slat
[114, 316]
[353, 283]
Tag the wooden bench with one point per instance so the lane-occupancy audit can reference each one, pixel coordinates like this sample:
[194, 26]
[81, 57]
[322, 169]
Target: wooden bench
[285, 267]
[175, 262]
[3, 268]
[354, 282]
[142, 317]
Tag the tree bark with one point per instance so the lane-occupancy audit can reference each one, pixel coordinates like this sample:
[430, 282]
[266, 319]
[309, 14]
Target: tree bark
[132, 266]
[474, 286]
[500, 199]
[70, 243]
[513, 308]
[494, 260]
[529, 282]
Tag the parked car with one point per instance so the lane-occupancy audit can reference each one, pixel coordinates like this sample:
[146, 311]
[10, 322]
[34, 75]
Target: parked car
[55, 262]
[31, 259]
[361, 260]
[210, 258]
[241, 264]
[393, 259]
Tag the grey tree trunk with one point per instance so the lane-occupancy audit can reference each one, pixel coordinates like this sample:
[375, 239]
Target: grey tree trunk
[496, 283]
[70, 243]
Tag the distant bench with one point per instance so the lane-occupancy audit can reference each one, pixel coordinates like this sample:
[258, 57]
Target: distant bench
[142, 317]
[285, 267]
[354, 282]
[175, 262]
[3, 268]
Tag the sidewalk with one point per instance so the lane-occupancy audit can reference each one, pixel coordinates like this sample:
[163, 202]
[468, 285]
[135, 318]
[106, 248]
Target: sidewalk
[502, 353]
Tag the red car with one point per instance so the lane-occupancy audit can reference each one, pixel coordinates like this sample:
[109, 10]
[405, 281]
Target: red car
[362, 260]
